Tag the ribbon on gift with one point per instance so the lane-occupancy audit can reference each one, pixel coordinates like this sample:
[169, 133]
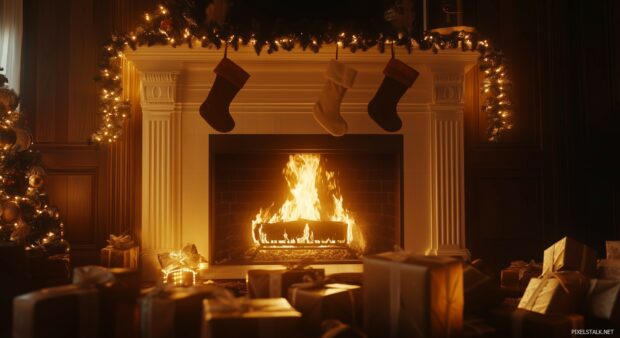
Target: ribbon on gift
[92, 275]
[533, 297]
[188, 257]
[554, 256]
[120, 242]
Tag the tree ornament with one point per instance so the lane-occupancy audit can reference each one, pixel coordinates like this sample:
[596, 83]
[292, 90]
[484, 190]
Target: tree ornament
[382, 108]
[230, 78]
[10, 212]
[8, 98]
[340, 77]
[35, 181]
[23, 140]
[7, 138]
[165, 25]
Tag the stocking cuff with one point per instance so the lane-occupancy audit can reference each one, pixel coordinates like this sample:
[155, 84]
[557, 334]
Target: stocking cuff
[340, 73]
[400, 72]
[231, 72]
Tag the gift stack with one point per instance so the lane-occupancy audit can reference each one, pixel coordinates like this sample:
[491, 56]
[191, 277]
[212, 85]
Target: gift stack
[99, 303]
[554, 302]
[121, 252]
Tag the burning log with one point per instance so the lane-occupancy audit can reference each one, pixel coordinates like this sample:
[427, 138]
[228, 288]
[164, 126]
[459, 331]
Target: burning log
[302, 233]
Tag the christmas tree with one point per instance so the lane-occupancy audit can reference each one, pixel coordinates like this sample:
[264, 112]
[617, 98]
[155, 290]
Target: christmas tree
[26, 216]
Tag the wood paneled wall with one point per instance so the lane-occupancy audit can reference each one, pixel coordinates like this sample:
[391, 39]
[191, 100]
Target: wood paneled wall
[97, 188]
[554, 175]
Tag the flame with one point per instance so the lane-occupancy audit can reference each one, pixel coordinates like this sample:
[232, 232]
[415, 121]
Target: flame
[307, 180]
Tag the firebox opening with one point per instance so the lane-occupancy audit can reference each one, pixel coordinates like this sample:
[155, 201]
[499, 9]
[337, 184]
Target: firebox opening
[330, 203]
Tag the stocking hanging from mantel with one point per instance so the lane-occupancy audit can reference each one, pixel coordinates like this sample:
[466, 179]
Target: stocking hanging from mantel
[340, 77]
[230, 78]
[382, 108]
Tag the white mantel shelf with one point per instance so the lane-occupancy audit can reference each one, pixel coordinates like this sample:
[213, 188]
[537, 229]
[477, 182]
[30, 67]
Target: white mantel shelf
[278, 99]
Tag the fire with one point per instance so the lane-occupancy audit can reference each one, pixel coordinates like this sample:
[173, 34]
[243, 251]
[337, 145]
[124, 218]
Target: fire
[308, 182]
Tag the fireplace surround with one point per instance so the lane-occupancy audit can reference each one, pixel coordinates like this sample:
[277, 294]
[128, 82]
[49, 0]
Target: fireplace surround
[278, 100]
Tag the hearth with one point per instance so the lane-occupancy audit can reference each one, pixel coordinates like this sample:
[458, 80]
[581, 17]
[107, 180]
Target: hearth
[289, 198]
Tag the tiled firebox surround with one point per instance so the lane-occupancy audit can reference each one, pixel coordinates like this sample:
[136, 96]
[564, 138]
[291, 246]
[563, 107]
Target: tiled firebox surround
[278, 99]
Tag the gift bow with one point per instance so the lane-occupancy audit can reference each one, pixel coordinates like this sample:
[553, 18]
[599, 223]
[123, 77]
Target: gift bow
[92, 275]
[188, 257]
[121, 242]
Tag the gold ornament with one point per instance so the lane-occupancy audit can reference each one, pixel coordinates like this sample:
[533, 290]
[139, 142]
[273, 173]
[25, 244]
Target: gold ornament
[21, 232]
[23, 141]
[35, 181]
[7, 138]
[10, 212]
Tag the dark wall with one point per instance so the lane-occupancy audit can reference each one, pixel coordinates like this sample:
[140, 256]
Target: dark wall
[556, 173]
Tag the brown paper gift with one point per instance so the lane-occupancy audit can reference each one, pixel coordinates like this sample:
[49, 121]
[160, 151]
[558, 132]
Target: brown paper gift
[556, 293]
[603, 300]
[62, 311]
[249, 318]
[318, 302]
[568, 254]
[412, 296]
[612, 248]
[120, 258]
[519, 323]
[275, 283]
[609, 269]
[517, 276]
[169, 311]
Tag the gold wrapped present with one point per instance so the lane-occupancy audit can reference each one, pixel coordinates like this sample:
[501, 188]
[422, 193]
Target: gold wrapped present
[275, 283]
[170, 311]
[407, 295]
[603, 300]
[612, 248]
[180, 267]
[568, 254]
[318, 301]
[226, 317]
[520, 323]
[608, 269]
[556, 293]
[112, 257]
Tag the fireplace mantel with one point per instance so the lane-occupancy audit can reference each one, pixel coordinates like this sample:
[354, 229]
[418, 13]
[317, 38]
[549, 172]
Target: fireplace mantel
[278, 99]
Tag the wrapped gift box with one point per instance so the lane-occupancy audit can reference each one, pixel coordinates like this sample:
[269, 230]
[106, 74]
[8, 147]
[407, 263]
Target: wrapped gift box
[517, 276]
[47, 271]
[519, 323]
[568, 254]
[62, 311]
[612, 248]
[275, 283]
[112, 257]
[412, 296]
[169, 311]
[480, 291]
[249, 318]
[603, 300]
[557, 293]
[353, 278]
[608, 269]
[318, 302]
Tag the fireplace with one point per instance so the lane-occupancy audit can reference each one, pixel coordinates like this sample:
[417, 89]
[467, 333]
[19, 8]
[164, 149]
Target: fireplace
[273, 115]
[287, 198]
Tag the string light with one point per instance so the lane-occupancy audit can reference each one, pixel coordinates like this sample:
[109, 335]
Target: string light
[114, 110]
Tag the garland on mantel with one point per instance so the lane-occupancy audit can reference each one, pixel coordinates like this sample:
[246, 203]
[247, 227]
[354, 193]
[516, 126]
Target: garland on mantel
[186, 22]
